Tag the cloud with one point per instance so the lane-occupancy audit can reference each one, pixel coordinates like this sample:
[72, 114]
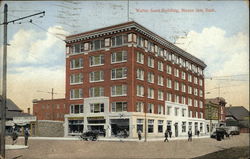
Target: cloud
[224, 55]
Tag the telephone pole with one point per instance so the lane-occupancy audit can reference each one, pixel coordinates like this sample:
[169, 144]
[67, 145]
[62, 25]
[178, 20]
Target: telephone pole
[4, 81]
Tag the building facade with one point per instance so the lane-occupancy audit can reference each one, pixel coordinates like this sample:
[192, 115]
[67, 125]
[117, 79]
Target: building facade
[125, 77]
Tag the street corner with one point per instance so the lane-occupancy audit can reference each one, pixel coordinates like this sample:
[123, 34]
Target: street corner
[15, 147]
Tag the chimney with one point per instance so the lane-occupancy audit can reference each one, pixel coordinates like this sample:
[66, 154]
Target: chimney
[28, 110]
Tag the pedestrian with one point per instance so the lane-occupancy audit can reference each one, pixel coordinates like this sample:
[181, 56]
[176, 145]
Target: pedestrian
[14, 136]
[170, 133]
[189, 135]
[198, 133]
[26, 136]
[139, 134]
[166, 136]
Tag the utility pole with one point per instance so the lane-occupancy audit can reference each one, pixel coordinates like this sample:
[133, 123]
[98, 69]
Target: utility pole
[4, 81]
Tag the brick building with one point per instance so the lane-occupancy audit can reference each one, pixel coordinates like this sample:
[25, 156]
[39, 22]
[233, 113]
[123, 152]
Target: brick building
[127, 77]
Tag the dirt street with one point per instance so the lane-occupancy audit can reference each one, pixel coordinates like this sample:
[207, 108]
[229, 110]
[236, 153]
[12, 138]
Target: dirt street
[48, 149]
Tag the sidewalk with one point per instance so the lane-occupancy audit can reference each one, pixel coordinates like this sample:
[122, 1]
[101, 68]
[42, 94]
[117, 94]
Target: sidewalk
[15, 147]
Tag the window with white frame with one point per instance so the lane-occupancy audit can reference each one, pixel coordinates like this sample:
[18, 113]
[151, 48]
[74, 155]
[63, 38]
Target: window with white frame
[119, 73]
[150, 126]
[176, 85]
[160, 66]
[76, 93]
[76, 48]
[190, 101]
[183, 100]
[184, 126]
[160, 126]
[140, 74]
[195, 80]
[183, 112]
[151, 93]
[139, 106]
[169, 69]
[160, 80]
[96, 92]
[200, 82]
[195, 91]
[169, 57]
[140, 41]
[119, 106]
[160, 109]
[151, 62]
[176, 98]
[189, 90]
[201, 93]
[201, 104]
[96, 76]
[119, 40]
[119, 90]
[76, 78]
[183, 87]
[169, 97]
[169, 108]
[120, 56]
[169, 83]
[151, 77]
[190, 114]
[76, 63]
[160, 95]
[139, 125]
[189, 78]
[76, 108]
[176, 72]
[183, 75]
[96, 60]
[196, 114]
[139, 91]
[98, 44]
[140, 57]
[195, 103]
[201, 114]
[176, 111]
[97, 107]
[150, 108]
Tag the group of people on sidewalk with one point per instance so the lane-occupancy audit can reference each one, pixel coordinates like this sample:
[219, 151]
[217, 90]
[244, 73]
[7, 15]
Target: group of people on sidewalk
[15, 135]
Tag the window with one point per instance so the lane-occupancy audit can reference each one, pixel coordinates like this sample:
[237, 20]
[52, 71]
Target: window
[140, 41]
[200, 82]
[169, 83]
[119, 56]
[201, 115]
[76, 78]
[201, 93]
[160, 66]
[151, 62]
[190, 101]
[201, 104]
[189, 90]
[97, 107]
[140, 91]
[169, 110]
[119, 90]
[96, 92]
[169, 97]
[176, 85]
[151, 93]
[160, 109]
[183, 100]
[76, 108]
[183, 112]
[195, 91]
[140, 74]
[195, 80]
[119, 106]
[160, 126]
[139, 125]
[176, 111]
[96, 60]
[76, 93]
[189, 78]
[98, 44]
[119, 73]
[58, 106]
[151, 77]
[184, 126]
[183, 87]
[150, 126]
[176, 99]
[160, 95]
[196, 114]
[160, 80]
[150, 108]
[140, 58]
[96, 76]
[190, 114]
[139, 106]
[183, 75]
[169, 69]
[119, 40]
[76, 63]
[76, 48]
[107, 42]
[176, 72]
[195, 103]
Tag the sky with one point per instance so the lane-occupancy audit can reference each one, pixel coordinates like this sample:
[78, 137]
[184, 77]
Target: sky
[215, 32]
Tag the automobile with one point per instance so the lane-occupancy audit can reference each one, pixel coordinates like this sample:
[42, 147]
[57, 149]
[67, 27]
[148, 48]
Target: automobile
[89, 135]
[219, 133]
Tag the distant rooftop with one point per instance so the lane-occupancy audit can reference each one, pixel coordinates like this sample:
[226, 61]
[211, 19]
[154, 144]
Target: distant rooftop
[239, 112]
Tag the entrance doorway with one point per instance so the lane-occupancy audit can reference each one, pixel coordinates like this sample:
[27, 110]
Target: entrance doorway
[176, 129]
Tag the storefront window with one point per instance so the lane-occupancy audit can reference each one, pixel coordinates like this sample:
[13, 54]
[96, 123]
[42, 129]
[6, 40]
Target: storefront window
[75, 126]
[160, 126]
[139, 125]
[150, 126]
[183, 127]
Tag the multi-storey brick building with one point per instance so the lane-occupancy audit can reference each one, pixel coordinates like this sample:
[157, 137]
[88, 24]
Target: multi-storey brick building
[127, 77]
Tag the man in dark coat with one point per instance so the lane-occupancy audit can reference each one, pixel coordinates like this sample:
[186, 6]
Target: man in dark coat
[166, 136]
[26, 136]
[189, 135]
